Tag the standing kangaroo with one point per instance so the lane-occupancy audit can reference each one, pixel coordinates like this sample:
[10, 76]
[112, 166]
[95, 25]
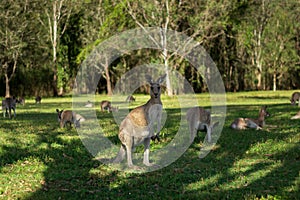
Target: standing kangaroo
[295, 97]
[243, 123]
[9, 104]
[137, 127]
[38, 99]
[199, 119]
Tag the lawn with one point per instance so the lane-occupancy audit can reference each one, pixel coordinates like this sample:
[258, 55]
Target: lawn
[39, 160]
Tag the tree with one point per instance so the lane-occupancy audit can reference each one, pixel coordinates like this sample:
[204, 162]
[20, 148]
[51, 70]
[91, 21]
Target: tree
[253, 36]
[57, 16]
[106, 17]
[14, 22]
[279, 52]
[155, 14]
[213, 25]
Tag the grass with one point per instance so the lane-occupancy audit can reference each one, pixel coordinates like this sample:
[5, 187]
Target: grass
[39, 160]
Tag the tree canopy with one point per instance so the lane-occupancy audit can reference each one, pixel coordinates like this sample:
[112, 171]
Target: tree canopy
[255, 44]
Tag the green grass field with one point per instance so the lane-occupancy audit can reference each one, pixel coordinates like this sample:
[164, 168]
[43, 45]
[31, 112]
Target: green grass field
[39, 160]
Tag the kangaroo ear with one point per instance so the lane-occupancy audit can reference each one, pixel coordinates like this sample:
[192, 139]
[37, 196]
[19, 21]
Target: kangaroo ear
[264, 108]
[161, 79]
[57, 110]
[149, 79]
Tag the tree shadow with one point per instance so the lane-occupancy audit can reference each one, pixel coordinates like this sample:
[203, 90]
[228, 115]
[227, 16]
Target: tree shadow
[232, 170]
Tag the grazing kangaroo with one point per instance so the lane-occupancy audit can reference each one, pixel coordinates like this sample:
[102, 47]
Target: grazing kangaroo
[130, 99]
[297, 116]
[106, 105]
[137, 127]
[9, 104]
[295, 97]
[199, 119]
[259, 123]
[21, 101]
[68, 116]
[38, 99]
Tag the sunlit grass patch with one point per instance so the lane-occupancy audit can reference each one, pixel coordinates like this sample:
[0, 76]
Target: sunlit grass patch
[40, 160]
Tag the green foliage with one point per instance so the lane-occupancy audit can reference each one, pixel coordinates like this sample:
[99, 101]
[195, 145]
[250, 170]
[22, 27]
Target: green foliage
[116, 20]
[228, 30]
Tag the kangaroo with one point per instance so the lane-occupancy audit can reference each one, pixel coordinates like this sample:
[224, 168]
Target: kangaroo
[9, 104]
[199, 119]
[68, 116]
[88, 104]
[21, 101]
[38, 99]
[295, 97]
[106, 105]
[297, 116]
[259, 123]
[130, 99]
[137, 127]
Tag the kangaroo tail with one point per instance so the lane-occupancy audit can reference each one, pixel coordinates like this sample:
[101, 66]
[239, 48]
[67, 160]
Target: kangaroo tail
[121, 155]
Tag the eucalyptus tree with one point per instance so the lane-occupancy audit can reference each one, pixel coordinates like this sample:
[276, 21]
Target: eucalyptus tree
[252, 38]
[14, 37]
[210, 24]
[279, 52]
[156, 14]
[54, 17]
[266, 43]
[103, 19]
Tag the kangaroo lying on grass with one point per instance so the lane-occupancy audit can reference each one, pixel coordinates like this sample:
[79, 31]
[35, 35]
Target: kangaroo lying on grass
[199, 119]
[89, 104]
[9, 104]
[70, 117]
[137, 128]
[243, 123]
[295, 97]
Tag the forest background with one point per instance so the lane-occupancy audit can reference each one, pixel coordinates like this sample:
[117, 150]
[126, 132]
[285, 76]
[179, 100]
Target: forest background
[254, 43]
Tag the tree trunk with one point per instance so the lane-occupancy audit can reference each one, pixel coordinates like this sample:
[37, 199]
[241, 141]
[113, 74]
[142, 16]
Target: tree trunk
[274, 80]
[54, 48]
[8, 78]
[168, 81]
[258, 59]
[61, 91]
[259, 77]
[165, 51]
[54, 84]
[7, 90]
[108, 83]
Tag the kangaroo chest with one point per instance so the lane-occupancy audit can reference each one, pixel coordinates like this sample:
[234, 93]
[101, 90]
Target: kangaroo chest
[138, 117]
[142, 116]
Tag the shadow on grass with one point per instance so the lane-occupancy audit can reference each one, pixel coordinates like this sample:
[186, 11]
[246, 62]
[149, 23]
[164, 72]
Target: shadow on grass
[230, 171]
